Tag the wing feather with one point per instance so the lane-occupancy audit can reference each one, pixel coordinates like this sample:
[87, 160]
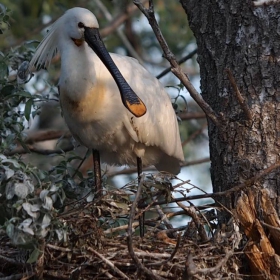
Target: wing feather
[158, 127]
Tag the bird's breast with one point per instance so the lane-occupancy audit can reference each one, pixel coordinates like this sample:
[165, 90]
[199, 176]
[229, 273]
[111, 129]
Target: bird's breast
[95, 116]
[83, 105]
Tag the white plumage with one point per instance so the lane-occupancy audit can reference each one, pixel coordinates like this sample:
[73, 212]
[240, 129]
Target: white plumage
[92, 104]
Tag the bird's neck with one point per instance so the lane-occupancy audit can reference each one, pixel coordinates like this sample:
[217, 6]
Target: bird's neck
[78, 73]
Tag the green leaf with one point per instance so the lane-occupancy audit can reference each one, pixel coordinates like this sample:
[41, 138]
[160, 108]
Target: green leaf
[24, 146]
[7, 90]
[34, 256]
[4, 71]
[28, 107]
[24, 94]
[6, 18]
[10, 230]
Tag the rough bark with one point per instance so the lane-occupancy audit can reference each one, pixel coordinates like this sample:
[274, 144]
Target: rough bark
[237, 36]
[238, 53]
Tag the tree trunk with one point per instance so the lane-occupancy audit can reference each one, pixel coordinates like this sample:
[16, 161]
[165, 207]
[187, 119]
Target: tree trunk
[239, 54]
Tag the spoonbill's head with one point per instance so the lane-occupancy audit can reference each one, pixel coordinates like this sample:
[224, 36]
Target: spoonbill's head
[70, 26]
[77, 26]
[75, 21]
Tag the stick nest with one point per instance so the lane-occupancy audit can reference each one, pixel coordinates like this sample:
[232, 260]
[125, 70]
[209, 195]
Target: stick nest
[100, 240]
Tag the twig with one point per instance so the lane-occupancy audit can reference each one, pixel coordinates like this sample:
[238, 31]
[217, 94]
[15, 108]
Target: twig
[133, 169]
[192, 269]
[206, 218]
[80, 164]
[108, 263]
[172, 254]
[39, 268]
[148, 272]
[184, 116]
[152, 255]
[76, 273]
[45, 135]
[108, 275]
[182, 60]
[191, 212]
[240, 98]
[57, 248]
[124, 227]
[20, 150]
[176, 248]
[163, 217]
[248, 183]
[176, 69]
[270, 226]
[194, 135]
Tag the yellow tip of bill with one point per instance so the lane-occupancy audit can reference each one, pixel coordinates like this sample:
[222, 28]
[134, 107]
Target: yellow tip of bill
[138, 110]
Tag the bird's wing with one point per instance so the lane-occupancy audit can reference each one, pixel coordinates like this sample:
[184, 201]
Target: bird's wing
[158, 127]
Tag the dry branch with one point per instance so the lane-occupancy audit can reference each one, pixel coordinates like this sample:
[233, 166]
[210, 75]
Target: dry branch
[193, 270]
[176, 69]
[248, 183]
[182, 60]
[108, 263]
[192, 213]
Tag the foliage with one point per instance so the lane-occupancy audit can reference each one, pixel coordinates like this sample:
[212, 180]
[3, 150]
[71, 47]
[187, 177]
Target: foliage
[29, 197]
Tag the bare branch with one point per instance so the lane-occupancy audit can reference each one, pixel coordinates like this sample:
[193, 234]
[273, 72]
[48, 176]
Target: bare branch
[176, 69]
[248, 183]
[182, 60]
[20, 150]
[194, 135]
[191, 269]
[184, 116]
[108, 263]
[164, 217]
[171, 256]
[270, 226]
[45, 135]
[134, 169]
[192, 213]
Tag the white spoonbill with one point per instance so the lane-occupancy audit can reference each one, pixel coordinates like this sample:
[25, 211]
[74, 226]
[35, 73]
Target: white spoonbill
[110, 103]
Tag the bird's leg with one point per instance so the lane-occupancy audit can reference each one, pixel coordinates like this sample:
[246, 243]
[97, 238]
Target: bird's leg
[97, 171]
[141, 217]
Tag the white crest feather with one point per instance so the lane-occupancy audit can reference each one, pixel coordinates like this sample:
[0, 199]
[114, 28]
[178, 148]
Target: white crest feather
[47, 49]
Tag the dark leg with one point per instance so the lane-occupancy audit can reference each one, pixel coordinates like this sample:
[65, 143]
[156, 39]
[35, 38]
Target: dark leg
[141, 217]
[97, 171]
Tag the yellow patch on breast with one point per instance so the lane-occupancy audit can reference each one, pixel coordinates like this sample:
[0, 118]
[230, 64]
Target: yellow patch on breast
[86, 106]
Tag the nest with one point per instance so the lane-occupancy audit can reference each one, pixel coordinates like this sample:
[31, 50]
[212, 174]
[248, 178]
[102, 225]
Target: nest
[101, 240]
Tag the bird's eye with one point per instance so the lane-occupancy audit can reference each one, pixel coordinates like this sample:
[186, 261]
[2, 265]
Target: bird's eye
[81, 25]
